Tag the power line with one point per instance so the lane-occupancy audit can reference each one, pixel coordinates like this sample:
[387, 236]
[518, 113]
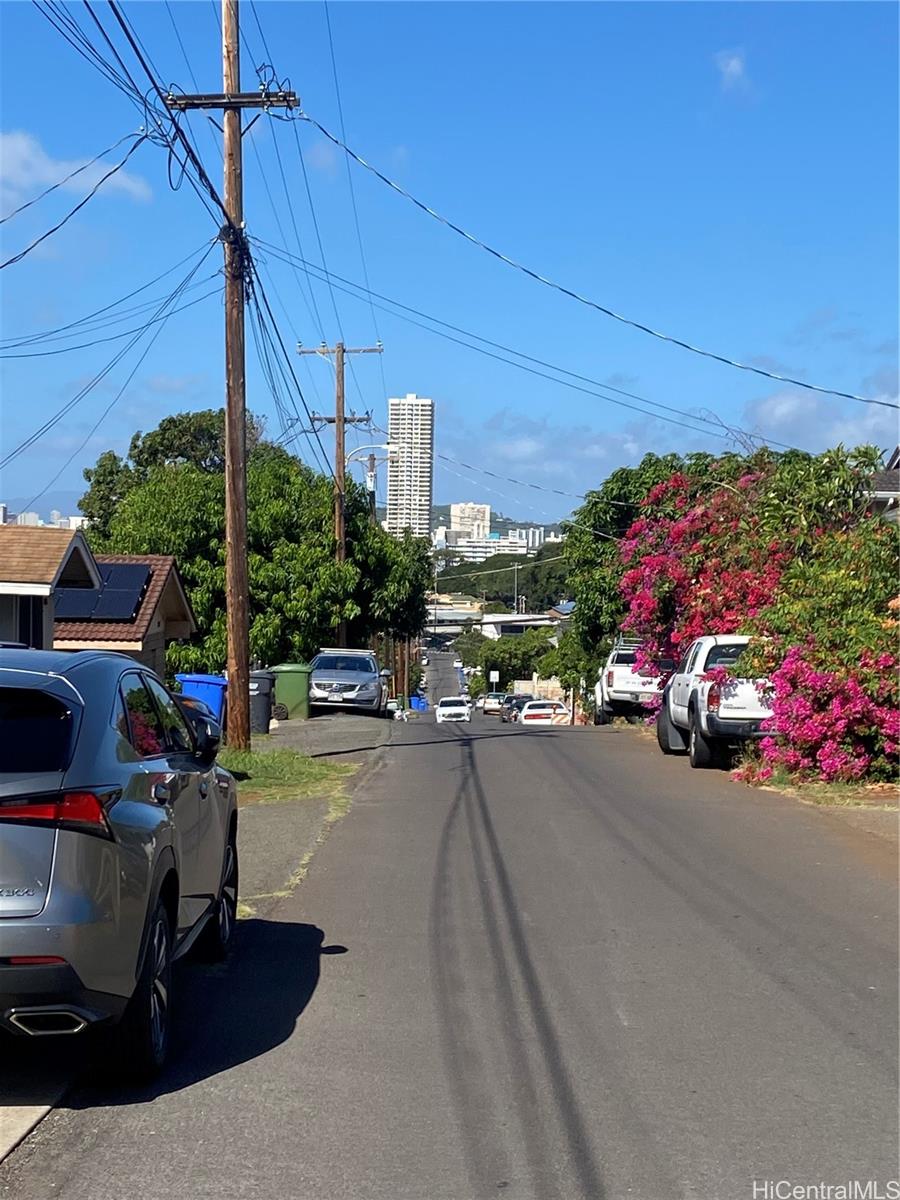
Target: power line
[538, 562]
[716, 425]
[573, 295]
[71, 175]
[92, 383]
[80, 205]
[125, 332]
[46, 335]
[114, 400]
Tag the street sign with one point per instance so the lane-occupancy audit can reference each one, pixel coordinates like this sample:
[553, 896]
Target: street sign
[494, 676]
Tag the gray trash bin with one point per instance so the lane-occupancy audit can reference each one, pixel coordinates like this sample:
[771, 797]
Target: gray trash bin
[262, 688]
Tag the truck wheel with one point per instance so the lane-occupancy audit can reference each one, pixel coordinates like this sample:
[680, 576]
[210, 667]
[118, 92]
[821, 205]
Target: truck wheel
[668, 735]
[602, 716]
[702, 750]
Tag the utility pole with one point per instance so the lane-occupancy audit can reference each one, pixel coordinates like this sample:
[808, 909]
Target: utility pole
[340, 422]
[237, 617]
[515, 587]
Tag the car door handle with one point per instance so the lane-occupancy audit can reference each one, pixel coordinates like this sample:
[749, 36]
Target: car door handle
[162, 793]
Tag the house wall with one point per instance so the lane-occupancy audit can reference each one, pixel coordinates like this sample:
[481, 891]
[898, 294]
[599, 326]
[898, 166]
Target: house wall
[9, 618]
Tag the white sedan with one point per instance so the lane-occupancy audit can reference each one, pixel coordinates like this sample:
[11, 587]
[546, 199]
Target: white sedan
[452, 708]
[544, 712]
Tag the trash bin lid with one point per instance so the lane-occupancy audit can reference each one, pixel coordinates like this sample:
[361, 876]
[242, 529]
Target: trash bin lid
[262, 675]
[284, 668]
[220, 680]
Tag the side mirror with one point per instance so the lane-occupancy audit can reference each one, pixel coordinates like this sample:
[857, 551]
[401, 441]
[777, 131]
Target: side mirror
[386, 673]
[209, 738]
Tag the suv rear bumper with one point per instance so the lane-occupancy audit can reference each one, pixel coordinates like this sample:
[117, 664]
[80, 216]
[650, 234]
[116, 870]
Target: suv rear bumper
[721, 727]
[48, 989]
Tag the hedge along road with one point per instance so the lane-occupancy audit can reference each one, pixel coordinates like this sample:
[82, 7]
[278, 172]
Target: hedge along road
[572, 968]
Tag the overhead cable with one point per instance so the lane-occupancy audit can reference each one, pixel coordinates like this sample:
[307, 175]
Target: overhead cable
[573, 295]
[80, 205]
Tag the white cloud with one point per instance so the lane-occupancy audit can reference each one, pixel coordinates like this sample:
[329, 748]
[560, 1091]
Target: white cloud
[813, 422]
[26, 169]
[732, 68]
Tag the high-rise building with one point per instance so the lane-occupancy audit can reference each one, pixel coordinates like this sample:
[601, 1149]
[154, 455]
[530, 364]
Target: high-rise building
[411, 465]
[474, 520]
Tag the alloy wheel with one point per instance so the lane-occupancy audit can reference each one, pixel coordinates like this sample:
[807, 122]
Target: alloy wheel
[228, 902]
[159, 988]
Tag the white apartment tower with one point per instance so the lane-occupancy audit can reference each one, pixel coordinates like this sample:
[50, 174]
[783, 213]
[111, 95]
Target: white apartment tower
[411, 466]
[474, 520]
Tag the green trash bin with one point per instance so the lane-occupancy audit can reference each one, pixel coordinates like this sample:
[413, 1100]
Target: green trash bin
[291, 691]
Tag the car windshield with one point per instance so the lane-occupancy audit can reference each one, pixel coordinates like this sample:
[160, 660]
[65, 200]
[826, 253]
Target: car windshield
[35, 731]
[725, 656]
[344, 662]
[624, 658]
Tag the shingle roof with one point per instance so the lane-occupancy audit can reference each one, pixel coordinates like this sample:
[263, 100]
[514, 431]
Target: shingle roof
[32, 554]
[886, 481]
[161, 566]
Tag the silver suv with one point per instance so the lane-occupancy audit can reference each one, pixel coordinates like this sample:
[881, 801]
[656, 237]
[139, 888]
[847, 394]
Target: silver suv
[348, 678]
[118, 849]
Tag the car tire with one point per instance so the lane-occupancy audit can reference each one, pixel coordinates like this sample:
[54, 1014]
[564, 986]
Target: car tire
[215, 942]
[702, 751]
[140, 1041]
[602, 716]
[668, 736]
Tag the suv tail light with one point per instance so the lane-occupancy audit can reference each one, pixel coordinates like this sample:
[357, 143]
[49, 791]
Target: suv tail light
[609, 678]
[81, 811]
[713, 698]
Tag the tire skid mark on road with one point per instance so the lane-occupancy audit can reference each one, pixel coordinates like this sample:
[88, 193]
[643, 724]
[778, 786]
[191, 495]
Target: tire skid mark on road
[716, 909]
[471, 801]
[480, 1127]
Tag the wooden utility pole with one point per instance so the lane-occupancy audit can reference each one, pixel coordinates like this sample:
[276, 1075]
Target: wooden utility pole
[237, 617]
[370, 488]
[340, 422]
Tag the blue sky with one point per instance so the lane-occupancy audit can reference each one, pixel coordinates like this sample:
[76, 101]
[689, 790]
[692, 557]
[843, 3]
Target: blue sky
[724, 172]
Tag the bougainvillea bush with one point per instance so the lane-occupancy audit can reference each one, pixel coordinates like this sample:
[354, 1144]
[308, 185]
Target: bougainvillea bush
[782, 547]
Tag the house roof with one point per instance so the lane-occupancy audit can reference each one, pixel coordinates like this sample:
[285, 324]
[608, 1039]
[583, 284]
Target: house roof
[37, 554]
[886, 482]
[162, 569]
[565, 608]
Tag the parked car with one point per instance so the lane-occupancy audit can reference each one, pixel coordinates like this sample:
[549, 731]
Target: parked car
[544, 712]
[479, 703]
[452, 708]
[701, 716]
[458, 663]
[512, 706]
[348, 679]
[493, 702]
[622, 688]
[118, 849]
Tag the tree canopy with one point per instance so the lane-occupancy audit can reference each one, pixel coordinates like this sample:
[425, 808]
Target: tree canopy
[298, 592]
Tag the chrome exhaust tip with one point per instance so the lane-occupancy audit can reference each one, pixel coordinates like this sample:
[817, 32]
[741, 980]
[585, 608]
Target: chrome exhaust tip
[47, 1022]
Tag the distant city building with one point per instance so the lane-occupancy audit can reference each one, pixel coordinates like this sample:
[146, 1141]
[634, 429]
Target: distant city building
[57, 520]
[411, 465]
[4, 514]
[473, 520]
[28, 518]
[476, 549]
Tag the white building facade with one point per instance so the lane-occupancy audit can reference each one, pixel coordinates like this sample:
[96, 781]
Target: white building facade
[470, 519]
[411, 465]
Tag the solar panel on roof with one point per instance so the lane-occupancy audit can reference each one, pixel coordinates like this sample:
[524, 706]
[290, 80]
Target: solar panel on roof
[75, 604]
[125, 576]
[116, 604]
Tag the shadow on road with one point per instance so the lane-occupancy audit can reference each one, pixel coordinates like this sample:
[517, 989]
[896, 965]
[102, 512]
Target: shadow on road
[224, 1015]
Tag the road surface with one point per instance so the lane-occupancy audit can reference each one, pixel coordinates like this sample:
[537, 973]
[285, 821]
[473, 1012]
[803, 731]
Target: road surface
[539, 964]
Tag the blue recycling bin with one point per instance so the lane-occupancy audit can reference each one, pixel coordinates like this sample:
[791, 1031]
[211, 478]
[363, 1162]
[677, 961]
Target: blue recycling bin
[208, 688]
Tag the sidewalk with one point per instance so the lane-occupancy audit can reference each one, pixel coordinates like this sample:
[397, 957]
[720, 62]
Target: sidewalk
[331, 735]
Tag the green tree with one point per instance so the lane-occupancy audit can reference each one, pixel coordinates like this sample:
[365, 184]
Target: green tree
[192, 438]
[516, 656]
[298, 592]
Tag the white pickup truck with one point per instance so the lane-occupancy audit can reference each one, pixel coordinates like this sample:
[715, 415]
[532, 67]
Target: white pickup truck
[702, 716]
[622, 689]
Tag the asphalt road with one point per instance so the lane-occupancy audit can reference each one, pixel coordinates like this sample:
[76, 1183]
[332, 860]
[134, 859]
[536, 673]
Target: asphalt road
[546, 964]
